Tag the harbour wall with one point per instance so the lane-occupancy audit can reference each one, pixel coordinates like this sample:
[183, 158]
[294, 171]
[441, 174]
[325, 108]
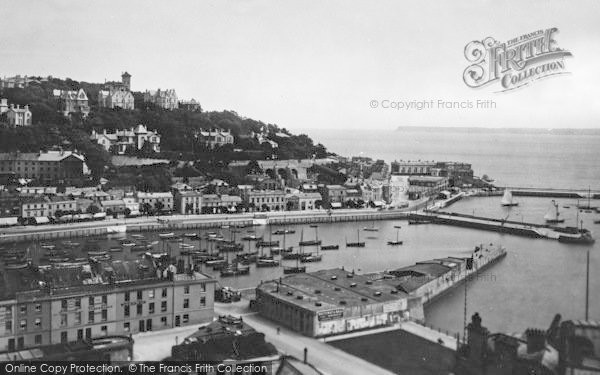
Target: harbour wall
[172, 223]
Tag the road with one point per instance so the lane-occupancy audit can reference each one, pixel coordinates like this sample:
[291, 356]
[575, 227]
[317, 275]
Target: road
[14, 233]
[326, 358]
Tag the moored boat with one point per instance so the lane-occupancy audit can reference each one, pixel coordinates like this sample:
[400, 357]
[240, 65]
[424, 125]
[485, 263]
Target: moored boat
[330, 247]
[166, 235]
[310, 243]
[553, 215]
[294, 269]
[311, 258]
[507, 199]
[397, 242]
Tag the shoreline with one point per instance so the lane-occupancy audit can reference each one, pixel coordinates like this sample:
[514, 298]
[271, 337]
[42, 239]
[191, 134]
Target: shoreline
[180, 222]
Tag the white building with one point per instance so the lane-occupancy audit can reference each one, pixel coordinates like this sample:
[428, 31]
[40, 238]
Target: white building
[132, 138]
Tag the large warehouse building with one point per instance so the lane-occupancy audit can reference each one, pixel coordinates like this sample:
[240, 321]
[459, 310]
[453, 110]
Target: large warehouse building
[331, 302]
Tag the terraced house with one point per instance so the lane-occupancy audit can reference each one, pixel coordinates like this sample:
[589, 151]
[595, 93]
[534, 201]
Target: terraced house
[70, 302]
[45, 166]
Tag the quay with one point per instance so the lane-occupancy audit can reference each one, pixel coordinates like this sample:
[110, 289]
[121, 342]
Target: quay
[181, 222]
[548, 192]
[572, 235]
[336, 301]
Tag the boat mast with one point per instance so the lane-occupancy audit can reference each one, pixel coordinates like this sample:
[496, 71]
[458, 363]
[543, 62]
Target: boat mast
[587, 287]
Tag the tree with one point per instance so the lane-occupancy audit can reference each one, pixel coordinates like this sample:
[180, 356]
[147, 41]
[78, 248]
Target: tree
[253, 168]
[158, 206]
[127, 211]
[147, 208]
[93, 209]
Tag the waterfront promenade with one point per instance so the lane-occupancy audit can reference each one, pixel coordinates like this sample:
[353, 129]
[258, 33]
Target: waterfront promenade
[180, 222]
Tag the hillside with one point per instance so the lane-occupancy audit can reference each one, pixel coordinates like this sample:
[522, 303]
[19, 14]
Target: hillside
[177, 127]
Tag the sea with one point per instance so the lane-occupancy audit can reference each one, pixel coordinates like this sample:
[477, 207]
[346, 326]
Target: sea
[536, 280]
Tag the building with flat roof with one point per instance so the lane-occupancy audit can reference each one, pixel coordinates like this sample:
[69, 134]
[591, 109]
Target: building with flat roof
[76, 300]
[331, 302]
[412, 167]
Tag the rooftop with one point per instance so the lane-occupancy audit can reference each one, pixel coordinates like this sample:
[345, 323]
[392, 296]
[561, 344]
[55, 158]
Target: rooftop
[71, 276]
[333, 288]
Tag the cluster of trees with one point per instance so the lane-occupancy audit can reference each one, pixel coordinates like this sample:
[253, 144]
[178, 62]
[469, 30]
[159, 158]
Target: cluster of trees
[178, 129]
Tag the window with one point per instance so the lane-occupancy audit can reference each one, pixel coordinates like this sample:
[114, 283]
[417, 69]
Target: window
[91, 317]
[186, 289]
[37, 322]
[78, 303]
[186, 303]
[151, 308]
[163, 320]
[186, 318]
[151, 293]
[63, 337]
[127, 296]
[126, 311]
[104, 330]
[23, 309]
[104, 300]
[91, 301]
[38, 307]
[23, 324]
[78, 317]
[63, 320]
[203, 287]
[139, 295]
[164, 292]
[202, 301]
[8, 326]
[38, 339]
[163, 306]
[139, 309]
[104, 315]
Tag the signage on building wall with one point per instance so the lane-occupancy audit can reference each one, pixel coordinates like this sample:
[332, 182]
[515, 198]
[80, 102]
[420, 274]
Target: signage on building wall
[330, 314]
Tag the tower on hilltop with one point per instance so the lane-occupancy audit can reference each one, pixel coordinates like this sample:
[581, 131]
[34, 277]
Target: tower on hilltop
[126, 79]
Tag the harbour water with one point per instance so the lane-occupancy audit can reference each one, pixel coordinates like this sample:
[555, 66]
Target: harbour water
[537, 279]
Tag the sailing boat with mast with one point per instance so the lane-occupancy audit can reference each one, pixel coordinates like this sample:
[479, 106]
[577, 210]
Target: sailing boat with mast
[372, 228]
[297, 268]
[267, 260]
[310, 257]
[553, 215]
[507, 199]
[397, 242]
[316, 241]
[587, 206]
[357, 243]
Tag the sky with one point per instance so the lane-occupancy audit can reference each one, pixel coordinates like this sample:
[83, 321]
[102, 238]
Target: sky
[313, 64]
